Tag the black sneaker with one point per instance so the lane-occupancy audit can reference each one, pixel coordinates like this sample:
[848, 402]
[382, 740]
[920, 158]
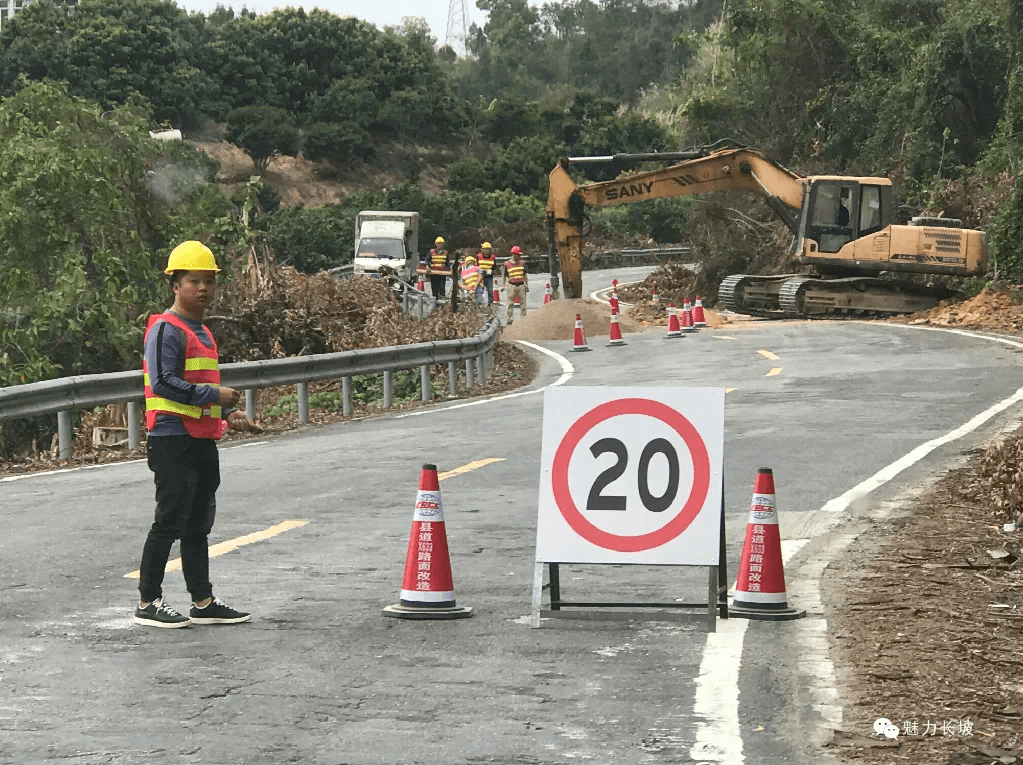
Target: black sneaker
[217, 613]
[159, 614]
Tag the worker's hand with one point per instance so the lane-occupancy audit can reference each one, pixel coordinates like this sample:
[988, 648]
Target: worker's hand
[238, 420]
[228, 396]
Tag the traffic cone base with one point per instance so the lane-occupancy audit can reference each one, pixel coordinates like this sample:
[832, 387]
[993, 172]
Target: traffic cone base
[427, 591]
[760, 585]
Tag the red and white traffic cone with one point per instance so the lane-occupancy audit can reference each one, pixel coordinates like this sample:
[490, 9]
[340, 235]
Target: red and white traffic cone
[613, 300]
[497, 294]
[687, 317]
[615, 332]
[547, 294]
[654, 297]
[421, 284]
[579, 344]
[699, 318]
[674, 330]
[760, 586]
[427, 591]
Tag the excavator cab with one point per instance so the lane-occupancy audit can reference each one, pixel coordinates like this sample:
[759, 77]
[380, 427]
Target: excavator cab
[838, 210]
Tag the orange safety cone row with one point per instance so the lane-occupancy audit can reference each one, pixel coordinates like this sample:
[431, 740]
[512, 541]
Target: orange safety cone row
[760, 586]
[427, 590]
[687, 317]
[699, 318]
[547, 294]
[674, 330]
[579, 343]
[615, 332]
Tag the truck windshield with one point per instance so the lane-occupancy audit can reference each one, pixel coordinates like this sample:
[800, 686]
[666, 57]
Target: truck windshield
[381, 248]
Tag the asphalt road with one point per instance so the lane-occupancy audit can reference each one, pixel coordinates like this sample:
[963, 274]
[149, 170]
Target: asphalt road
[320, 676]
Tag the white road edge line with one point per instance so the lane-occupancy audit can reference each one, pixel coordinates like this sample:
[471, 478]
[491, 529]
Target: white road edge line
[596, 294]
[567, 370]
[716, 707]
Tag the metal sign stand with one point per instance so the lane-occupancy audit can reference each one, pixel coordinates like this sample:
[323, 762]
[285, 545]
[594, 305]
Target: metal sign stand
[716, 605]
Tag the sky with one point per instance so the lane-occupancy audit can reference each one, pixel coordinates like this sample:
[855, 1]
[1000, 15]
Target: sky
[380, 12]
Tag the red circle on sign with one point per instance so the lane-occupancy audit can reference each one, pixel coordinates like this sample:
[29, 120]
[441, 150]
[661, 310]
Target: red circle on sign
[674, 527]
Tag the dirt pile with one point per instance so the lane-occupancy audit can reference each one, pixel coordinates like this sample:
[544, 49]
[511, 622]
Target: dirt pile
[556, 321]
[929, 627]
[673, 282]
[999, 309]
[656, 315]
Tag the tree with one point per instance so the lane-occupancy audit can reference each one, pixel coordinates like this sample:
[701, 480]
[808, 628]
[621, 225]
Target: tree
[336, 143]
[80, 265]
[263, 132]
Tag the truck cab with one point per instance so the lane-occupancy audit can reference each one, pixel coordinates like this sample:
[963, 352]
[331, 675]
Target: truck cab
[386, 240]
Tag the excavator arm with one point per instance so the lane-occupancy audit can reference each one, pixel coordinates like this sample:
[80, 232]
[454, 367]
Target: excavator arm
[700, 171]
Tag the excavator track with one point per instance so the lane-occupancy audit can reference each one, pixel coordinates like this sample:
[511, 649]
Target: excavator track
[753, 295]
[813, 297]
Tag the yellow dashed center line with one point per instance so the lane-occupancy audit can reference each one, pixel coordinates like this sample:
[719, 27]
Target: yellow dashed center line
[468, 468]
[768, 355]
[234, 544]
[773, 372]
[260, 536]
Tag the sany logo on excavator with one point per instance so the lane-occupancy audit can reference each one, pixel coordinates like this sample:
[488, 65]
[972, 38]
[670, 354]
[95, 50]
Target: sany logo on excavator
[640, 189]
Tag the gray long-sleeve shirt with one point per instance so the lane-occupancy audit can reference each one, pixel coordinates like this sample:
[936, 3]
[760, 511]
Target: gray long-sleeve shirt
[165, 360]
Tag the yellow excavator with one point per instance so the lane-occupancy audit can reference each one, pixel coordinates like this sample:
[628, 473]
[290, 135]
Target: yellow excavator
[844, 227]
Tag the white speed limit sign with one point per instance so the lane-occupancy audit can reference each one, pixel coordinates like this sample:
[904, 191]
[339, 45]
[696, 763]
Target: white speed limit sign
[631, 475]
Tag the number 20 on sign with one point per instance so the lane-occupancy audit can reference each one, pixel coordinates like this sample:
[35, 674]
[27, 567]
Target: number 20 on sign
[631, 475]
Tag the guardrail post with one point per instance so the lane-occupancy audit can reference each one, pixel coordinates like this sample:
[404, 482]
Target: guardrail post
[132, 417]
[468, 374]
[64, 434]
[424, 377]
[481, 367]
[303, 403]
[388, 389]
[422, 314]
[250, 404]
[346, 395]
[404, 300]
[452, 378]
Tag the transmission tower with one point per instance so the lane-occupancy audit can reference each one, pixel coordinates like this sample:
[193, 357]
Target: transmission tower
[458, 29]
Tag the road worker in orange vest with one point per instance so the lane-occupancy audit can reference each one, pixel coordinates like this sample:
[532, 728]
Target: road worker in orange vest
[471, 280]
[486, 260]
[187, 410]
[515, 275]
[439, 267]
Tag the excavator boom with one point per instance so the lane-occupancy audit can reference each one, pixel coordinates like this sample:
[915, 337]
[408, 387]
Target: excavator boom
[700, 171]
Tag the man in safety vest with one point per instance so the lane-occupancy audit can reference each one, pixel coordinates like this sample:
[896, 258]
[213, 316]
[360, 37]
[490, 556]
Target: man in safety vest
[439, 265]
[486, 262]
[187, 410]
[471, 280]
[515, 275]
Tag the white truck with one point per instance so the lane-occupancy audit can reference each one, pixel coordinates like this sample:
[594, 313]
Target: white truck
[387, 238]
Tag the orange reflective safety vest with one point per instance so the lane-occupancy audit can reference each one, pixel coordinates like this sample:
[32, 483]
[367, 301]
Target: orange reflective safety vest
[438, 260]
[471, 277]
[486, 262]
[201, 368]
[516, 271]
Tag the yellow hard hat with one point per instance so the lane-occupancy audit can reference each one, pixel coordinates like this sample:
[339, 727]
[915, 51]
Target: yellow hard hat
[191, 256]
[439, 240]
[486, 245]
[470, 259]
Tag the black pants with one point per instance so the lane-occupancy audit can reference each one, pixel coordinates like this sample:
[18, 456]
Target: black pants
[186, 472]
[488, 284]
[437, 285]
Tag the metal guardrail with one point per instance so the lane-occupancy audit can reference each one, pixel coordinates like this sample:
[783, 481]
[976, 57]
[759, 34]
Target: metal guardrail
[65, 394]
[607, 258]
